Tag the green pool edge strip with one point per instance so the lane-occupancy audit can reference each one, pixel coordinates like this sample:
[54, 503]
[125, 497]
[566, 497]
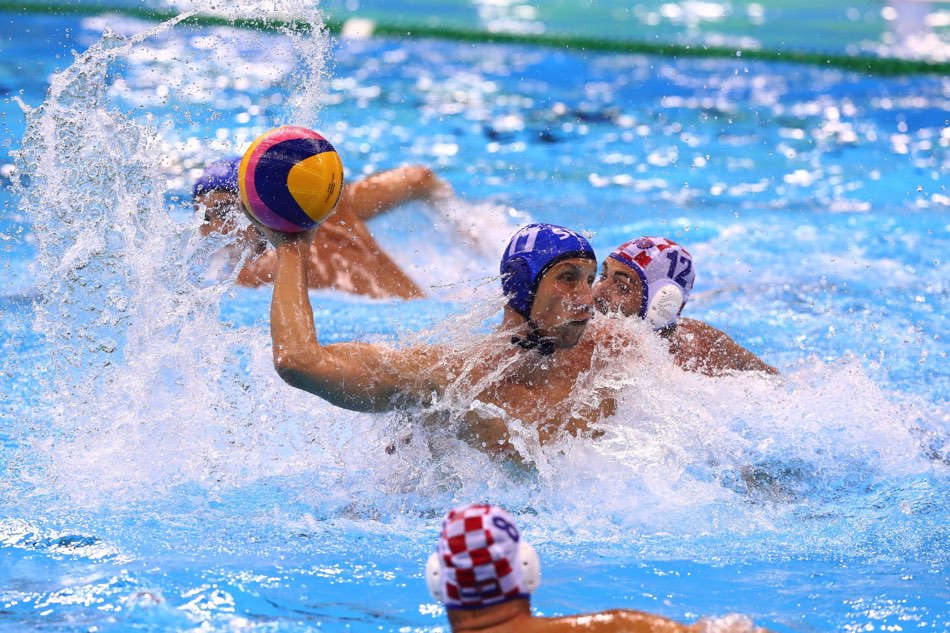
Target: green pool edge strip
[873, 65]
[860, 64]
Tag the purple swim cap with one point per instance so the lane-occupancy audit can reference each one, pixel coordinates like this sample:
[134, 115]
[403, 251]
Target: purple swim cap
[219, 175]
[530, 253]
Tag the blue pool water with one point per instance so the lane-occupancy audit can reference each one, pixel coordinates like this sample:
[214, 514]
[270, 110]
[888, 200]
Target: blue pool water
[158, 476]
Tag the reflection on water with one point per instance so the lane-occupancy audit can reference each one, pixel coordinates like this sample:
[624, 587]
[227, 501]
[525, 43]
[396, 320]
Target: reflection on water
[921, 29]
[901, 28]
[508, 16]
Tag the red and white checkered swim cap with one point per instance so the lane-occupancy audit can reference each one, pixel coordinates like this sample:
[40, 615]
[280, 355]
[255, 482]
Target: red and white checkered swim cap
[479, 556]
[666, 270]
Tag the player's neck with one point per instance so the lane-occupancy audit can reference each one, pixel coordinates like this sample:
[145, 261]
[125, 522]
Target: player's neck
[494, 619]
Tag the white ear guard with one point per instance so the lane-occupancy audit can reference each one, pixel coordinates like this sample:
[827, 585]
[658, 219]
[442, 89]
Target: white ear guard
[530, 566]
[666, 270]
[527, 557]
[434, 577]
[665, 303]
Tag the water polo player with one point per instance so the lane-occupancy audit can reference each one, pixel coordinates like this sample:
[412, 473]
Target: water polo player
[484, 572]
[346, 256]
[527, 369]
[651, 278]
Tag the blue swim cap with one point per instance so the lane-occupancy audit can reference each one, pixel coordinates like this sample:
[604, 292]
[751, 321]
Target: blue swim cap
[531, 251]
[222, 174]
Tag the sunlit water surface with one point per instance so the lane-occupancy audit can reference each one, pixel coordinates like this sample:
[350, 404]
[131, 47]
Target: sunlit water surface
[158, 475]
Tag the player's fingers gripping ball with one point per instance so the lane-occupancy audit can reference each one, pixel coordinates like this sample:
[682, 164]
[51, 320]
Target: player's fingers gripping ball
[290, 179]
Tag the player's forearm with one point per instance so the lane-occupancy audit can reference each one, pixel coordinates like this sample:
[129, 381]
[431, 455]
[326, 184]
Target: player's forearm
[734, 356]
[352, 376]
[299, 358]
[755, 363]
[291, 316]
[381, 192]
[744, 360]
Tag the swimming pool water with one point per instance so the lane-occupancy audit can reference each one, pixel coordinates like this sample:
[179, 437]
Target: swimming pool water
[898, 28]
[158, 475]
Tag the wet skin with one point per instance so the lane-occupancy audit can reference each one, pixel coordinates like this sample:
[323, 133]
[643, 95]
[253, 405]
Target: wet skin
[694, 345]
[564, 301]
[345, 255]
[515, 616]
[618, 289]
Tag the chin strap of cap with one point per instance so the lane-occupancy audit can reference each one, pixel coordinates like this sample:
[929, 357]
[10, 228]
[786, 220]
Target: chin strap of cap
[545, 345]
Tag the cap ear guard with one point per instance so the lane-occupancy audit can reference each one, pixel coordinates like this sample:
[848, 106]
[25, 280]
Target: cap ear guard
[664, 304]
[527, 558]
[434, 577]
[530, 566]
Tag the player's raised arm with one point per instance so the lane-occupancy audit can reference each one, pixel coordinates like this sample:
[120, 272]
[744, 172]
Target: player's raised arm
[290, 180]
[355, 376]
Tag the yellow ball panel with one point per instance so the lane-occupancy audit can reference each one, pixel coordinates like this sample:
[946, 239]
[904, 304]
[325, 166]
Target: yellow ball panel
[316, 184]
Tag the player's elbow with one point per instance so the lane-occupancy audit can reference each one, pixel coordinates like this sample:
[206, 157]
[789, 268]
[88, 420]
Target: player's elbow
[421, 174]
[293, 367]
[423, 180]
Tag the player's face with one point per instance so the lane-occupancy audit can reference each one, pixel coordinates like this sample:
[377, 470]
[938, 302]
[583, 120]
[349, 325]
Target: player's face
[564, 302]
[619, 289]
[220, 209]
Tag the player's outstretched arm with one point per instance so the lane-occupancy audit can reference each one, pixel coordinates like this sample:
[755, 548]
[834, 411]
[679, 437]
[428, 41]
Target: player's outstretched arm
[726, 354]
[381, 192]
[701, 347]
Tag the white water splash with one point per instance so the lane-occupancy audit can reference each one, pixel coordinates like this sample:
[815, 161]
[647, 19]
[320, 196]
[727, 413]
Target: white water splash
[145, 387]
[150, 393]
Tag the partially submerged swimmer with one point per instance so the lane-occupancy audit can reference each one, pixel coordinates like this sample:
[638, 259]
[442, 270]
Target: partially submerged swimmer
[484, 572]
[651, 278]
[526, 370]
[345, 256]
